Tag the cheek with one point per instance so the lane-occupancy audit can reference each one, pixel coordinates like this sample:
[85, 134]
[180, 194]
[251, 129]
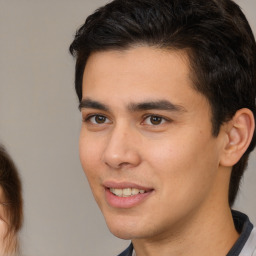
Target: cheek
[183, 162]
[168, 155]
[89, 152]
[3, 230]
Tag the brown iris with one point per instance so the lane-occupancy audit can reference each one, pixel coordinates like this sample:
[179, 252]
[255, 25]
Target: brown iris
[155, 120]
[100, 119]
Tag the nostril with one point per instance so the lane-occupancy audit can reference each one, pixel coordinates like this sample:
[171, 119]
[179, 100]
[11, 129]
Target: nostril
[117, 165]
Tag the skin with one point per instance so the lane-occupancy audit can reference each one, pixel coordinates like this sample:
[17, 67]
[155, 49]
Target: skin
[170, 151]
[3, 224]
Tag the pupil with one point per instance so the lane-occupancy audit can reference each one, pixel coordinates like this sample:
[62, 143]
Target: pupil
[156, 120]
[100, 119]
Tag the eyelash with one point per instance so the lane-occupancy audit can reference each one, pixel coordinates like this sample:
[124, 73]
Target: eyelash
[162, 120]
[89, 117]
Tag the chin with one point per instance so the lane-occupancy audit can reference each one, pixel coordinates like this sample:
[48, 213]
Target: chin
[123, 229]
[122, 235]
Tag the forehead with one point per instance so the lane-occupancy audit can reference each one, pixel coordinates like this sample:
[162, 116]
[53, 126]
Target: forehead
[143, 59]
[137, 74]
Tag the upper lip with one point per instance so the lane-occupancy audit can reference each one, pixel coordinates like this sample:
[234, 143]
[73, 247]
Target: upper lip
[122, 185]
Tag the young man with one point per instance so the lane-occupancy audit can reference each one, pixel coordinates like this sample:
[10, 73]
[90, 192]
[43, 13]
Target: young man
[167, 95]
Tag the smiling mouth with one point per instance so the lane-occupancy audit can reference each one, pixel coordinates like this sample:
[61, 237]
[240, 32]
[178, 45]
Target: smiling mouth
[126, 192]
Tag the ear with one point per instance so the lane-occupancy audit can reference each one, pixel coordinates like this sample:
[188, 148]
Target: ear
[239, 133]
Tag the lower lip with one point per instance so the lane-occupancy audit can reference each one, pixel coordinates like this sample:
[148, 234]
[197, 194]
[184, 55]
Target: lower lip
[125, 202]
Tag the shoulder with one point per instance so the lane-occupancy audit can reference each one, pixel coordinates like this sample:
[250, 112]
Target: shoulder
[128, 251]
[246, 243]
[250, 245]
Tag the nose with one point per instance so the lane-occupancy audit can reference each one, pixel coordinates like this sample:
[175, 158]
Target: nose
[121, 150]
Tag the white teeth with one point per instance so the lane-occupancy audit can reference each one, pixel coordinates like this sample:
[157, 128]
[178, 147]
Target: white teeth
[116, 191]
[126, 192]
[135, 191]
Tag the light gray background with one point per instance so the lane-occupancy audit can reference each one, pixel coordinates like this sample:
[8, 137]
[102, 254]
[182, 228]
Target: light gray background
[40, 122]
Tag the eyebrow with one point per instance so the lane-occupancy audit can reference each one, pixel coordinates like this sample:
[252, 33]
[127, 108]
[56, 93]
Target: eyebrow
[88, 103]
[135, 107]
[158, 105]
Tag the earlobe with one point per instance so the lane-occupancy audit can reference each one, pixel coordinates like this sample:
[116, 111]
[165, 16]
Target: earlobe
[239, 132]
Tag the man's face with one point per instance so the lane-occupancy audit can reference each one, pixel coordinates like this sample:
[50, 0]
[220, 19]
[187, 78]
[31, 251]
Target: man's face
[146, 143]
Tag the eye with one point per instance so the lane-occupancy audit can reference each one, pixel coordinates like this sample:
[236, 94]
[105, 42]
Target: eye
[154, 120]
[97, 119]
